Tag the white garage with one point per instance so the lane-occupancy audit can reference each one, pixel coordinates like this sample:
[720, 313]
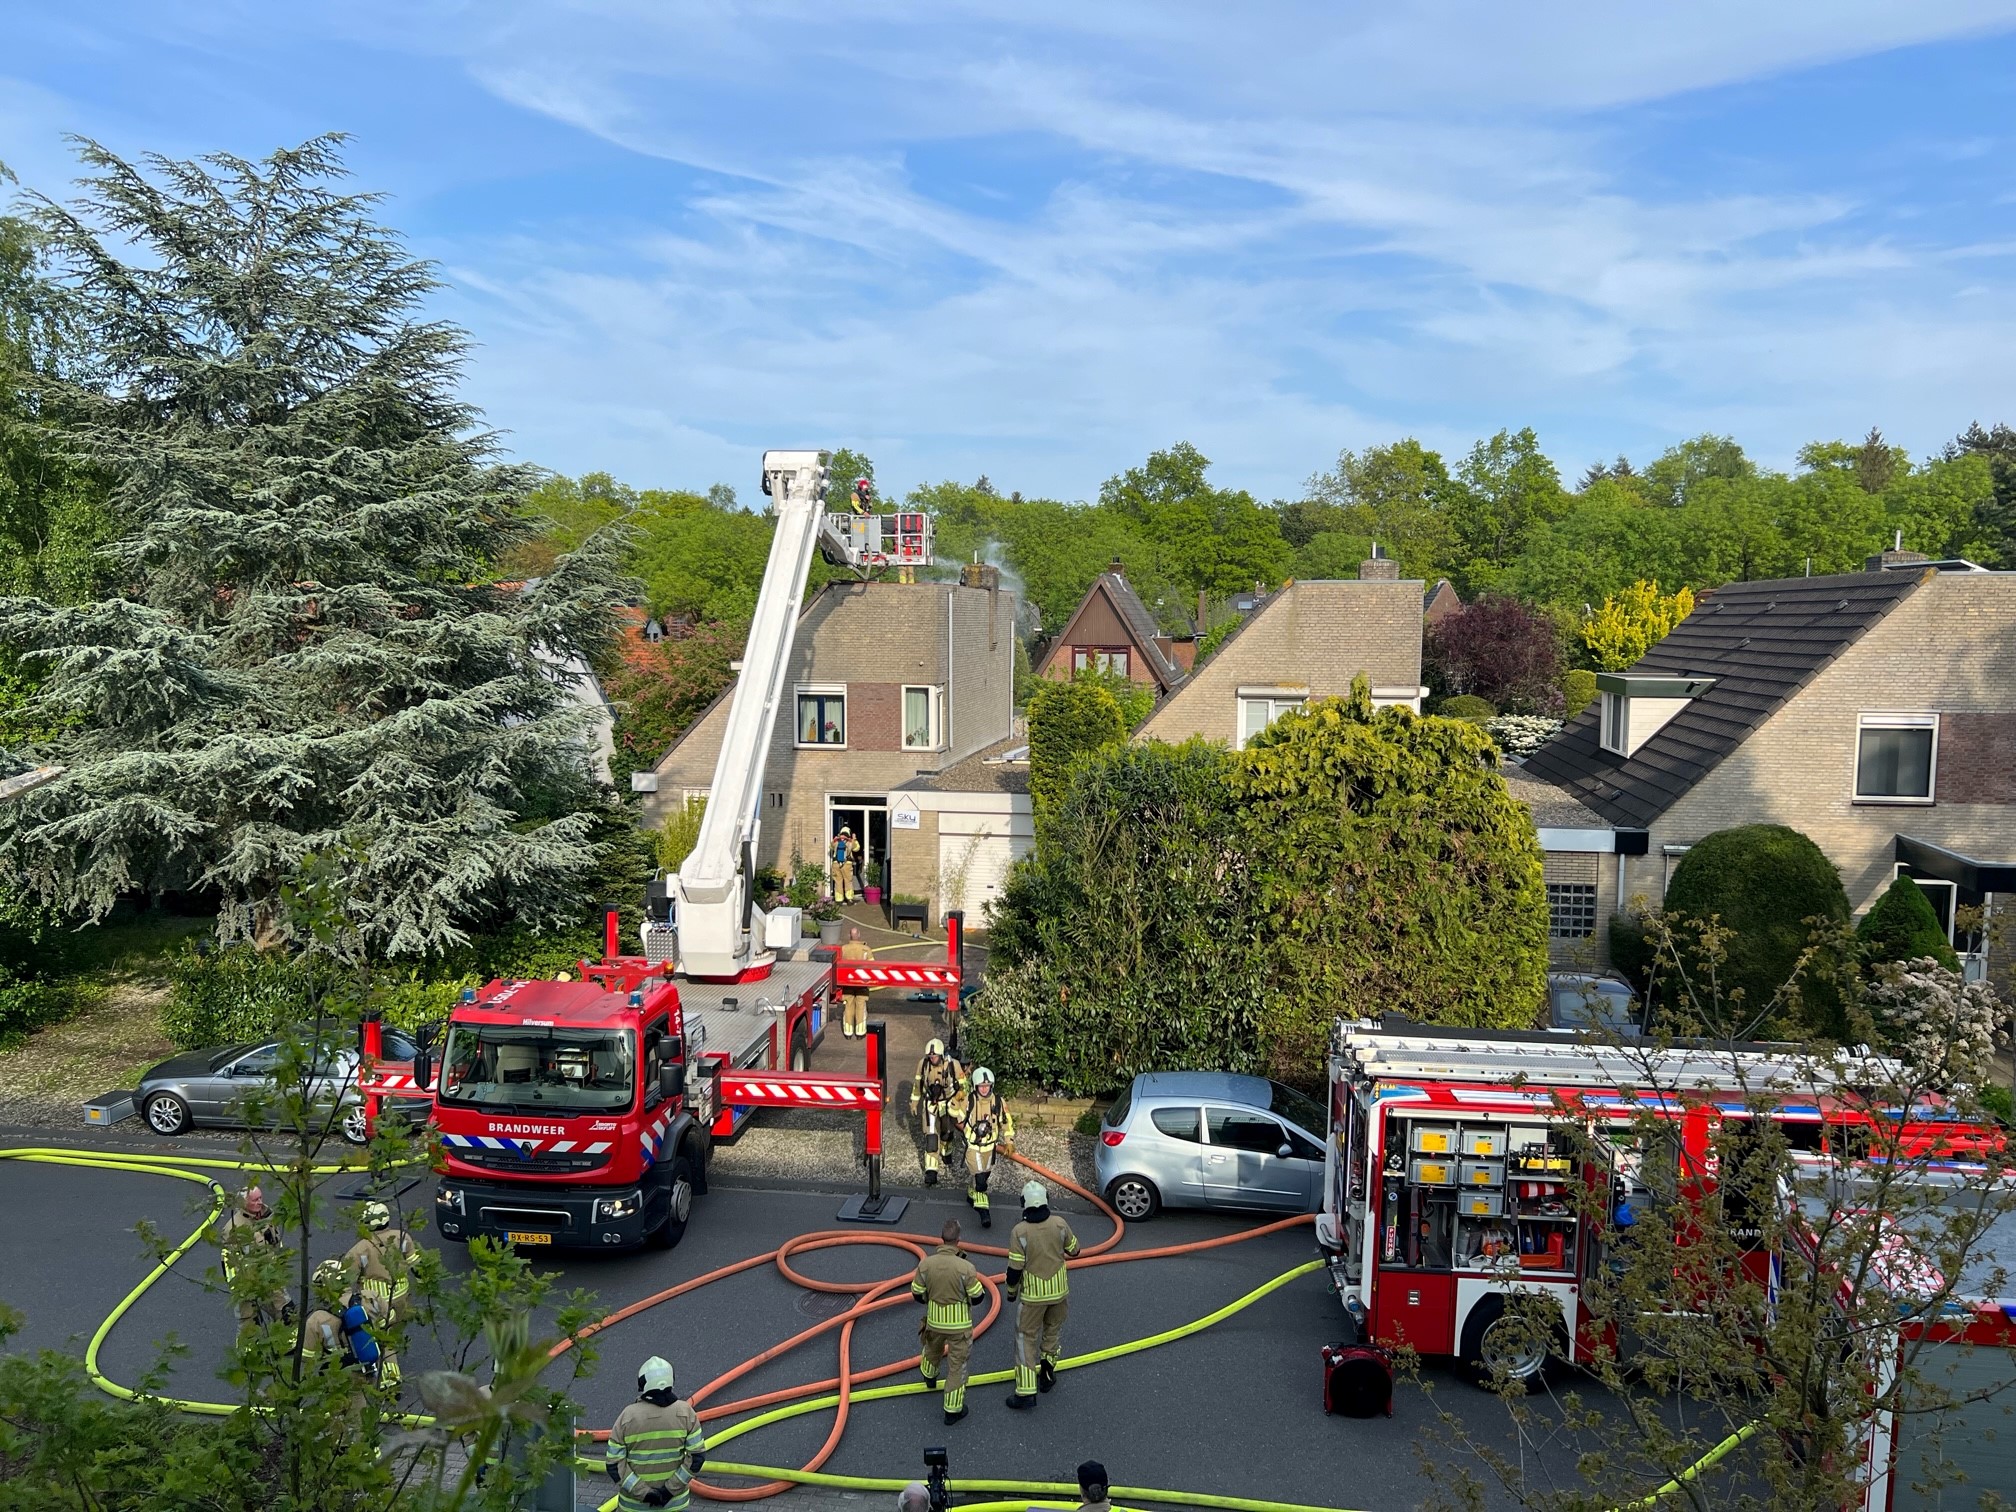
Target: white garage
[958, 832]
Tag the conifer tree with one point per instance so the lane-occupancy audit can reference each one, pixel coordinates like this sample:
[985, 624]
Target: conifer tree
[308, 650]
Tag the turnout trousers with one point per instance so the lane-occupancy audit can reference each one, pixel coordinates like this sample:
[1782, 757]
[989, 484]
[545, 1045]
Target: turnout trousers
[942, 1356]
[1039, 1336]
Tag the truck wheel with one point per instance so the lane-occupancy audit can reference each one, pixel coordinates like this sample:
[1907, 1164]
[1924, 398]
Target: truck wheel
[167, 1114]
[680, 1206]
[1134, 1198]
[1495, 1346]
[801, 1050]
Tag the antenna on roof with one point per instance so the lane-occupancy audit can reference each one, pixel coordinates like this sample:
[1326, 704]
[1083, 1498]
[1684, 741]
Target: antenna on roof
[1898, 543]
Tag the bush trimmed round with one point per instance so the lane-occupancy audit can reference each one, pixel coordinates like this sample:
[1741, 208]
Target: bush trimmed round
[1466, 706]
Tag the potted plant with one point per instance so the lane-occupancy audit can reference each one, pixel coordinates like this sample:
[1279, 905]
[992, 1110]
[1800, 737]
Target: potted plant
[827, 913]
[871, 884]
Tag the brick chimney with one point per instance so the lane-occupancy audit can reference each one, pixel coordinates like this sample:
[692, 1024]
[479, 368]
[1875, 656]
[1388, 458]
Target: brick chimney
[1896, 556]
[1377, 568]
[1117, 567]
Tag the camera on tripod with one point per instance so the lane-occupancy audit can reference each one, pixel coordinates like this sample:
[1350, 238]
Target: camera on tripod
[936, 1465]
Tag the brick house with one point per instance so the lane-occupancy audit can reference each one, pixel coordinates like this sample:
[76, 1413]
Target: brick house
[1872, 711]
[1309, 640]
[887, 681]
[956, 832]
[1440, 601]
[1111, 630]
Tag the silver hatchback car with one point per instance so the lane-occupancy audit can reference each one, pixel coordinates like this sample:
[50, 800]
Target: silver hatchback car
[1210, 1139]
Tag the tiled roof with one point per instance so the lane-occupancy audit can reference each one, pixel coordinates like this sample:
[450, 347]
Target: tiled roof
[1761, 642]
[1143, 625]
[1551, 808]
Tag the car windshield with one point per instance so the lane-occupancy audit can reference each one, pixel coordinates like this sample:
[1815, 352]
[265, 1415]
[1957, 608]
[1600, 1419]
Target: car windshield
[551, 1070]
[1299, 1110]
[1594, 1005]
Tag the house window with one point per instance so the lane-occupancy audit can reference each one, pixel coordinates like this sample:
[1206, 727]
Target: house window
[1896, 757]
[1942, 895]
[1615, 730]
[822, 716]
[920, 719]
[1571, 910]
[1100, 659]
[1256, 712]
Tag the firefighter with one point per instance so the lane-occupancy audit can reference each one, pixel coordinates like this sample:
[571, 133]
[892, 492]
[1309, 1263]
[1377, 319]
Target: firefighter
[985, 1121]
[1038, 1278]
[1095, 1493]
[338, 1332]
[380, 1263]
[855, 999]
[948, 1286]
[845, 853]
[934, 1089]
[657, 1446]
[247, 1227]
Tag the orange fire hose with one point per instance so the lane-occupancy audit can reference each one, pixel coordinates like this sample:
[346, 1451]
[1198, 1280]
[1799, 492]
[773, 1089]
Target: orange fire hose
[874, 1297]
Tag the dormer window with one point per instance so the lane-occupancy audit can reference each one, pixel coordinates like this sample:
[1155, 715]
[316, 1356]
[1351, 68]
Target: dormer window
[1635, 707]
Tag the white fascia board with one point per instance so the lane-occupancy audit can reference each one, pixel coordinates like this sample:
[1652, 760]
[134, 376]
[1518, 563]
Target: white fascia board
[1602, 841]
[931, 802]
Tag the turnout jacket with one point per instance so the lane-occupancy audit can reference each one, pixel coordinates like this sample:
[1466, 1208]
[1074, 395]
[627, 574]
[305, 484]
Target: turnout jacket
[986, 1120]
[948, 1286]
[939, 1083]
[653, 1446]
[1036, 1256]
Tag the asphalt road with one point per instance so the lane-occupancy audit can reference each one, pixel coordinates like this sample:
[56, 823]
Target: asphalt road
[1234, 1411]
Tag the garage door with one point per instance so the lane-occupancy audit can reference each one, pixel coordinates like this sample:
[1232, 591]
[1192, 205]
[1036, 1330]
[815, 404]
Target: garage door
[983, 861]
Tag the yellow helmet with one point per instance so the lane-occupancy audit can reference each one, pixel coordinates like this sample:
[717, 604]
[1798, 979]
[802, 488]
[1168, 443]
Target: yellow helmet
[331, 1276]
[377, 1215]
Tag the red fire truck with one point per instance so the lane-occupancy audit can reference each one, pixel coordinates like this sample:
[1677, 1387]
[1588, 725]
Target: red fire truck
[1451, 1180]
[583, 1112]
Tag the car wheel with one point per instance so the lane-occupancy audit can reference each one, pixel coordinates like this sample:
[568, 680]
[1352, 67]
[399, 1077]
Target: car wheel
[680, 1208]
[1134, 1198]
[166, 1114]
[352, 1125]
[1498, 1347]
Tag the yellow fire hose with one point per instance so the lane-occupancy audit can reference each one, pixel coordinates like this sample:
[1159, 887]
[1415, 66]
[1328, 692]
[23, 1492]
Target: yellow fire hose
[1026, 1493]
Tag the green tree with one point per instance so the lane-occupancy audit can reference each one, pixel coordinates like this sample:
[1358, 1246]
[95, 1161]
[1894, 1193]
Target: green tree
[1671, 479]
[1609, 538]
[1068, 720]
[705, 564]
[1507, 486]
[1994, 526]
[310, 649]
[1204, 538]
[1331, 554]
[1748, 900]
[1936, 508]
[1399, 495]
[1193, 906]
[1632, 622]
[1901, 926]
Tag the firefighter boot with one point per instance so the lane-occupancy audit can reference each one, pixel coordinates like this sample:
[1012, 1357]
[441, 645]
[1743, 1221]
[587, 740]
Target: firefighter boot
[980, 1198]
[1046, 1375]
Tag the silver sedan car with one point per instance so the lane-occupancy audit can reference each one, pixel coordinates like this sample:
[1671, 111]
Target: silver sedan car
[209, 1088]
[1210, 1139]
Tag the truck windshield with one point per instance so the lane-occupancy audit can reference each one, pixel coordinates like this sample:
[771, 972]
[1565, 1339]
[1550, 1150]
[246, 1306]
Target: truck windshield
[553, 1070]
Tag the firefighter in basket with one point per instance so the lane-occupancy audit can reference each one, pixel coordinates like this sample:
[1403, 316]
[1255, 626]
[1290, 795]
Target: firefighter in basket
[933, 1092]
[987, 1124]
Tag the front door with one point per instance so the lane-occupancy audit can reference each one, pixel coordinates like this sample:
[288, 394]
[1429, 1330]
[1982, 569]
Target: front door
[868, 819]
[1244, 1164]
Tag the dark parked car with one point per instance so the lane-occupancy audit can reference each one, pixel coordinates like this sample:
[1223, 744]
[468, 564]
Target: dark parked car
[208, 1088]
[1583, 1002]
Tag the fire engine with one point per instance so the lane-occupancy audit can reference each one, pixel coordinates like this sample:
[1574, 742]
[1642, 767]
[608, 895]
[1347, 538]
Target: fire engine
[582, 1112]
[1451, 1178]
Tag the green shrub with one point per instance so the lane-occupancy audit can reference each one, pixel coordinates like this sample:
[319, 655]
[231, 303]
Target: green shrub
[678, 833]
[27, 1006]
[1066, 721]
[220, 997]
[1901, 926]
[1771, 888]
[1632, 952]
[1999, 1104]
[1578, 691]
[1466, 706]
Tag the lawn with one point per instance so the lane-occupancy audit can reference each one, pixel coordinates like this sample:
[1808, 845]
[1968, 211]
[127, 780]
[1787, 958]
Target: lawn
[111, 1031]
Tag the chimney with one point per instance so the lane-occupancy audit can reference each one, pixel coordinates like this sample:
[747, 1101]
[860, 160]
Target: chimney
[1377, 568]
[1117, 567]
[1896, 556]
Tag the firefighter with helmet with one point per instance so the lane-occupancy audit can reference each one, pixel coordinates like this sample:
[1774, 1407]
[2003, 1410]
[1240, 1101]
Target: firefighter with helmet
[657, 1446]
[986, 1122]
[338, 1332]
[381, 1262]
[933, 1090]
[1038, 1278]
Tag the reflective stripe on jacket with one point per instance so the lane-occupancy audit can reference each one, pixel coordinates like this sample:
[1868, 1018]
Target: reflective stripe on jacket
[948, 1286]
[1039, 1251]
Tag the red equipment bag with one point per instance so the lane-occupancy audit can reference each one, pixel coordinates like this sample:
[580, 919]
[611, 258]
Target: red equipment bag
[1357, 1380]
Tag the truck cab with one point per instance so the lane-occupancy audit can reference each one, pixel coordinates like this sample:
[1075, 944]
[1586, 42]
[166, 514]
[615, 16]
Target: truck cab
[564, 1115]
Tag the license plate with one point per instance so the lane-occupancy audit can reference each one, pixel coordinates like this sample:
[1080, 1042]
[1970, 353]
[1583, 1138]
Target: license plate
[518, 1236]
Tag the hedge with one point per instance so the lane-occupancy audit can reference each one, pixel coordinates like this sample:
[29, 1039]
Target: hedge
[1901, 926]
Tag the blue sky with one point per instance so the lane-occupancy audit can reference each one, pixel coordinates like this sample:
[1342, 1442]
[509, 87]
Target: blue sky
[1038, 240]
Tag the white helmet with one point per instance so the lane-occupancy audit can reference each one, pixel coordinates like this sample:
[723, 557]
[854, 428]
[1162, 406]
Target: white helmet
[331, 1277]
[983, 1075]
[1035, 1194]
[655, 1374]
[377, 1215]
[935, 1047]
